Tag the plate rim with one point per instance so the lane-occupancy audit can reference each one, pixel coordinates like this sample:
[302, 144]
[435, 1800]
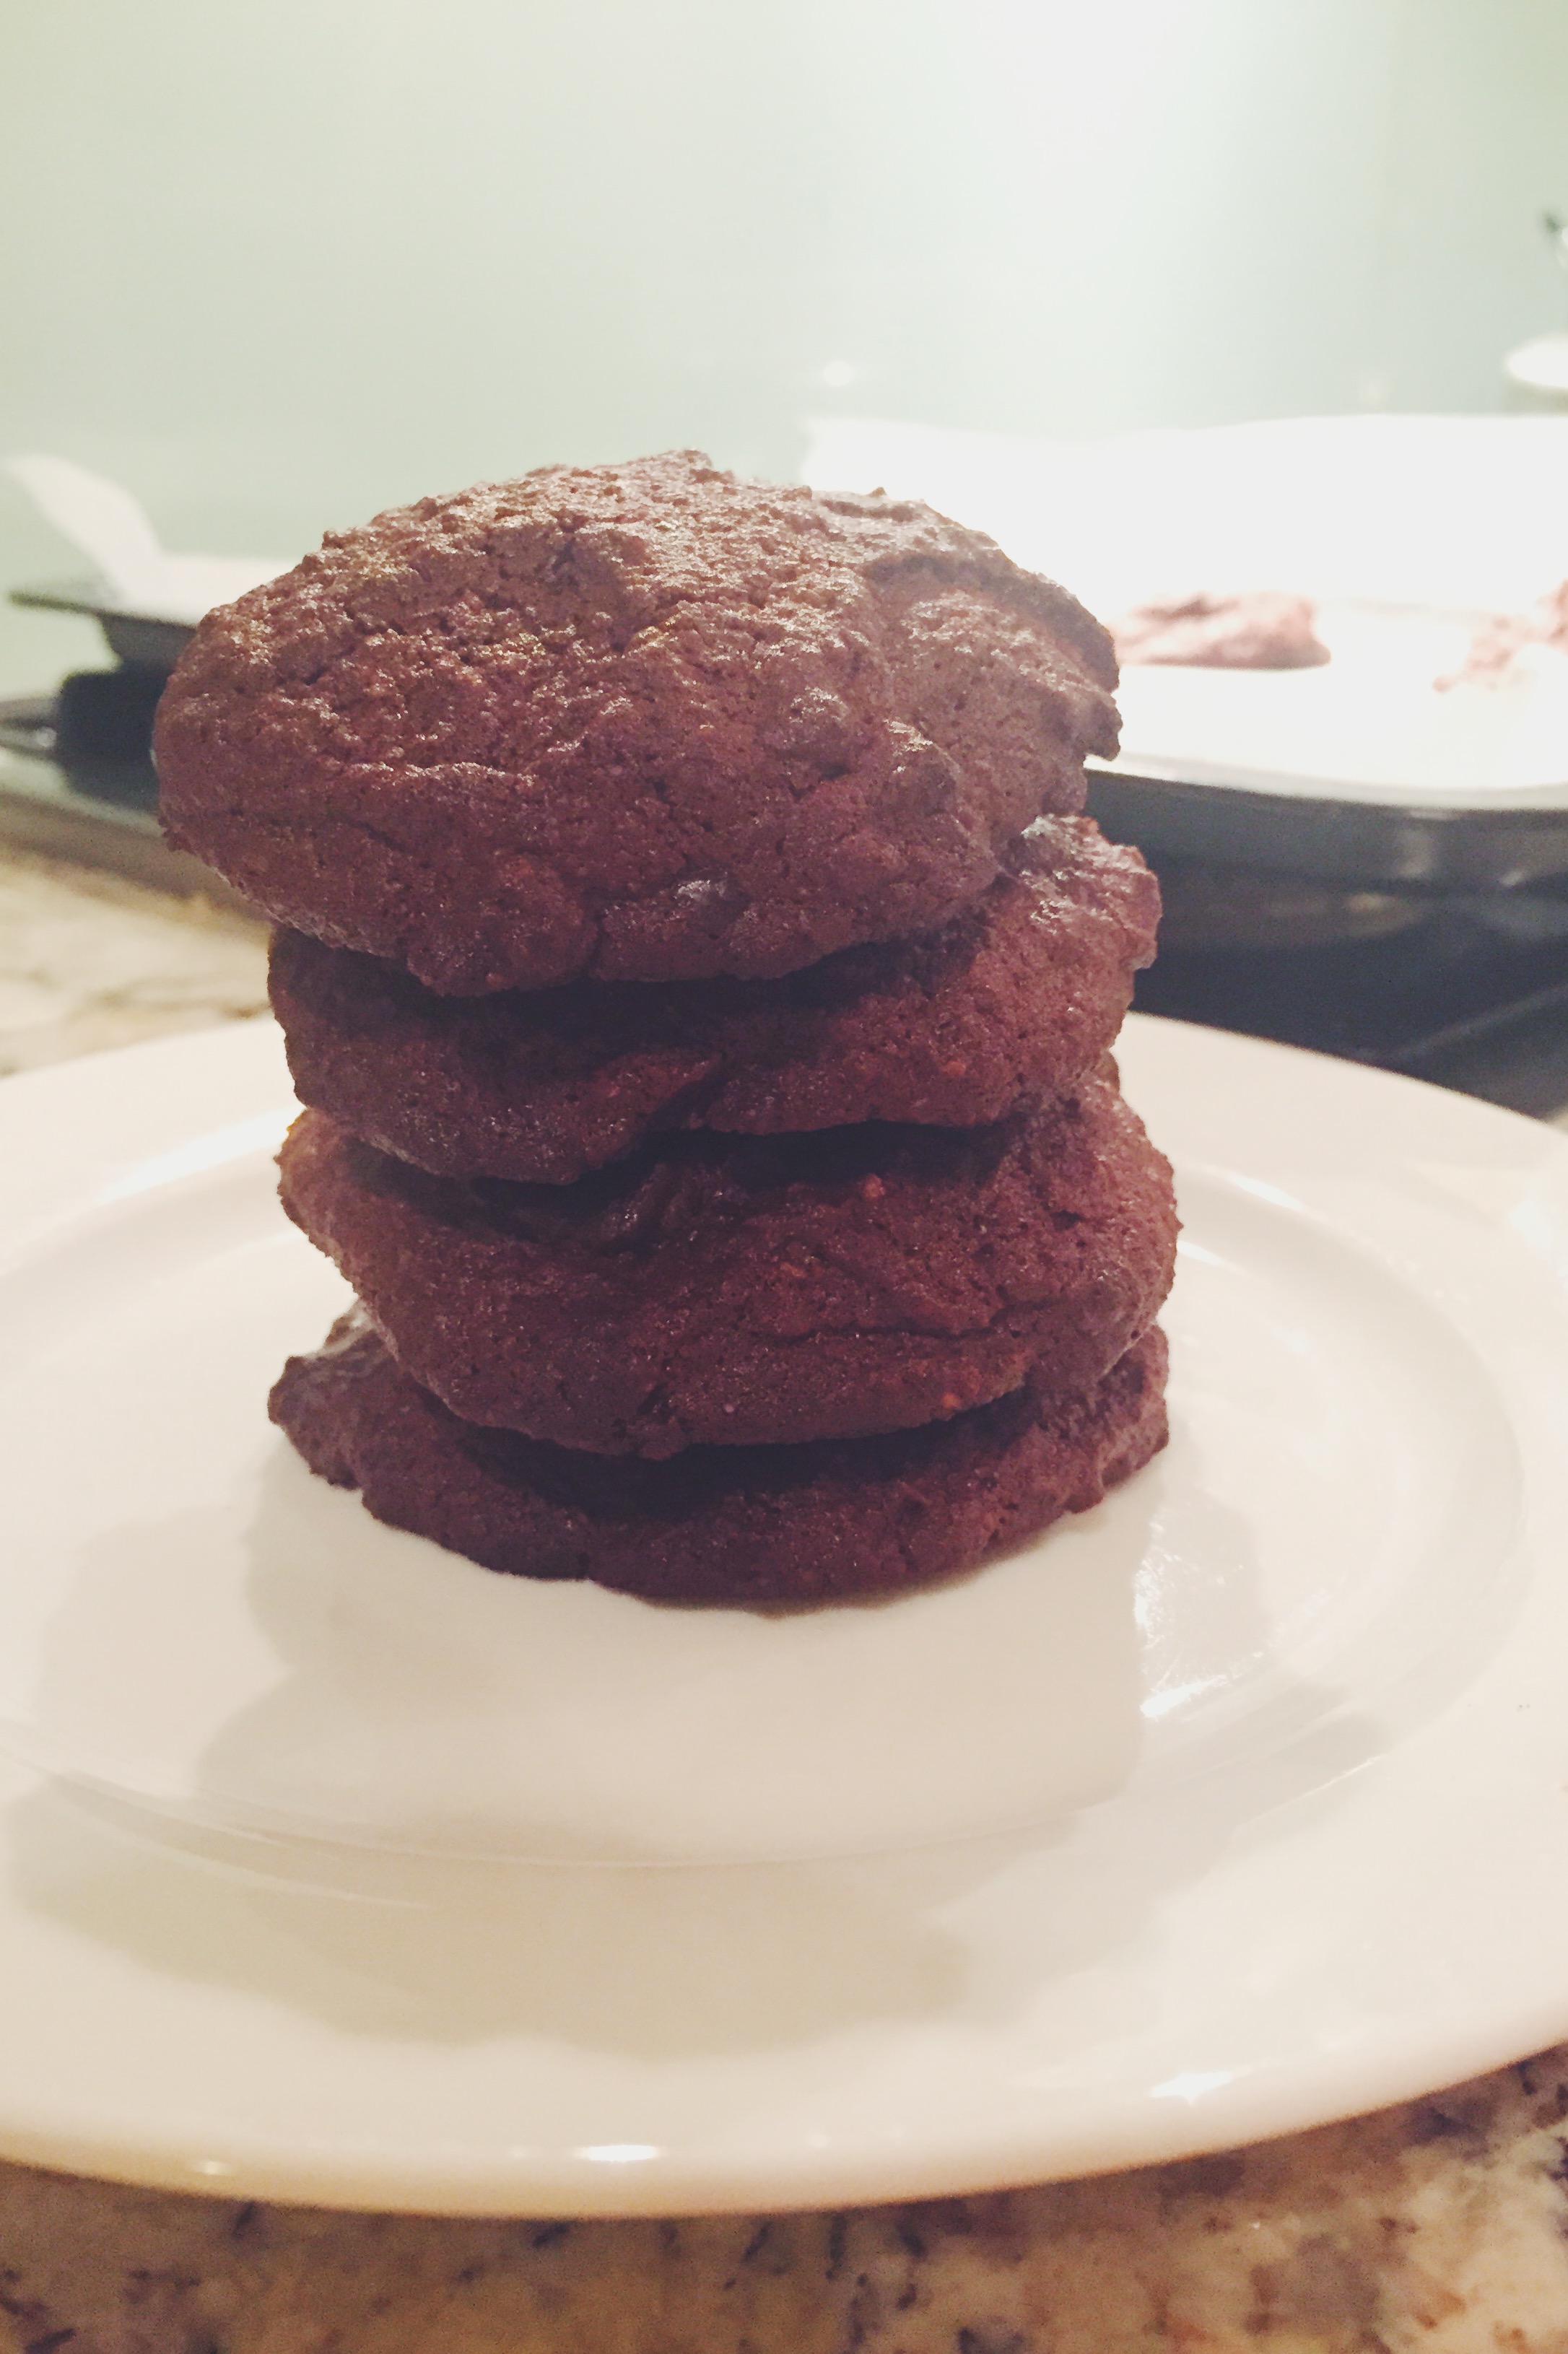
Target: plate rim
[154, 1088]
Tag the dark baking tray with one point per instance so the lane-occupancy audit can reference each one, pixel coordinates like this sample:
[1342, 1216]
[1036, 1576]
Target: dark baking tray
[1473, 847]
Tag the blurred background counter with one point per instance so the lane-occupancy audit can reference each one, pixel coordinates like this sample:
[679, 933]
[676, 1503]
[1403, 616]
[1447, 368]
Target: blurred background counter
[90, 960]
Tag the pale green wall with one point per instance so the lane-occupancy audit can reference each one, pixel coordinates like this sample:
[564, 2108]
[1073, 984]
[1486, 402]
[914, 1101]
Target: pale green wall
[277, 266]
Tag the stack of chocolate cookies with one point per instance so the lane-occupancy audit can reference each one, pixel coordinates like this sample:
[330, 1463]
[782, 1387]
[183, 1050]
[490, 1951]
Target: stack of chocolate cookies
[700, 980]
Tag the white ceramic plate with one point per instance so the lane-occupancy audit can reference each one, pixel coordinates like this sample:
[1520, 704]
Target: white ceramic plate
[1369, 724]
[335, 1869]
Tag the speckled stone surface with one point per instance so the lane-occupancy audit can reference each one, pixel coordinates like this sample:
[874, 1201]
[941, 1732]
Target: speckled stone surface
[1442, 2225]
[87, 961]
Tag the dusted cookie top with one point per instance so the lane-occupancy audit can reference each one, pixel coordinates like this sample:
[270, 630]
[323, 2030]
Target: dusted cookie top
[1015, 998]
[644, 722]
[745, 1290]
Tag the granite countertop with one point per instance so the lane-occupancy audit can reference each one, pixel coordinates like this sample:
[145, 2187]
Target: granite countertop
[1442, 2225]
[88, 961]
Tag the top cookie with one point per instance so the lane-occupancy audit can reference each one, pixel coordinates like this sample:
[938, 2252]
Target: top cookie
[644, 722]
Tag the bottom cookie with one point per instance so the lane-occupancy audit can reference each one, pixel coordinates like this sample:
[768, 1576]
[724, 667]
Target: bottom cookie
[812, 1522]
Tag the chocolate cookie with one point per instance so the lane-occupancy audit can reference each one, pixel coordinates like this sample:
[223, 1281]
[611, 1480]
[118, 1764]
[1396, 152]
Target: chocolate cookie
[736, 1524]
[644, 722]
[1013, 1000]
[740, 1290]
[1260, 630]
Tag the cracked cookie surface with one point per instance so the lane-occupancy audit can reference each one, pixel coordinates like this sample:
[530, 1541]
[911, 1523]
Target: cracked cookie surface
[721, 1525]
[643, 722]
[726, 1291]
[1015, 999]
